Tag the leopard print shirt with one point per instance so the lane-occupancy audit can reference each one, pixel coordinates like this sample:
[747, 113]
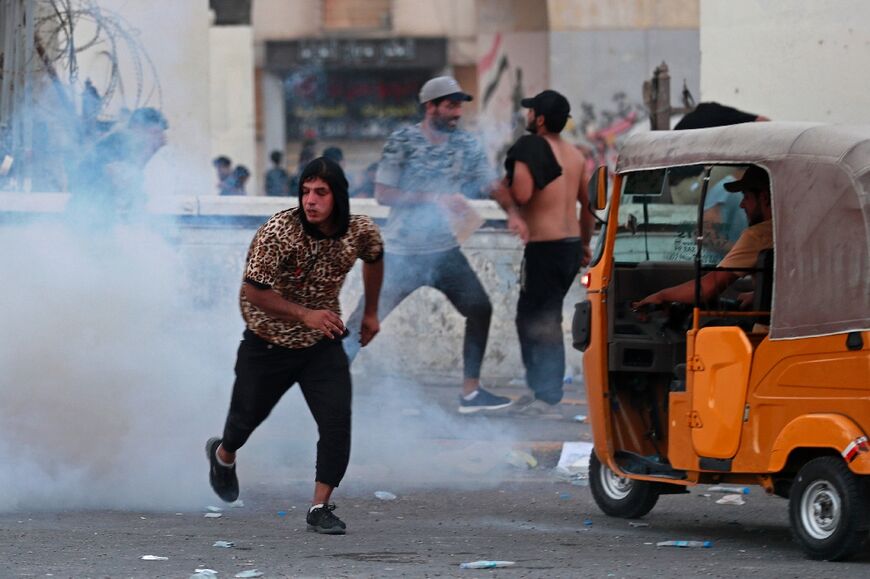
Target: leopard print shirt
[304, 270]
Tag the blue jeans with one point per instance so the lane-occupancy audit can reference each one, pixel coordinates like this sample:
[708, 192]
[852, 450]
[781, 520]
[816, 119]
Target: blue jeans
[447, 271]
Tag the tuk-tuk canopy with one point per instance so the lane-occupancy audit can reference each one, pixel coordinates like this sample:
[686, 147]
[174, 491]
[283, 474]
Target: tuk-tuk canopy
[820, 191]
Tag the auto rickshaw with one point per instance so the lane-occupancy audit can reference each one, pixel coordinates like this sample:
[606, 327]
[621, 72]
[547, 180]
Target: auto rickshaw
[776, 395]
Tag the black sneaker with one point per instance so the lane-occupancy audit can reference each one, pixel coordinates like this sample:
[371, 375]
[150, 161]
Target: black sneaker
[483, 401]
[222, 478]
[321, 520]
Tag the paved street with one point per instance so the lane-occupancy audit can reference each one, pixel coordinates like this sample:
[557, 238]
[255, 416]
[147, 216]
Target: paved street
[463, 502]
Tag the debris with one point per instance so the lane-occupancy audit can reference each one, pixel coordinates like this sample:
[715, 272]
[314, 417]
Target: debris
[237, 504]
[153, 558]
[213, 515]
[249, 573]
[521, 459]
[385, 495]
[686, 544]
[224, 544]
[282, 513]
[580, 418]
[731, 500]
[564, 496]
[517, 382]
[6, 165]
[574, 462]
[486, 564]
[568, 379]
[587, 521]
[729, 490]
[637, 524]
[204, 574]
[214, 509]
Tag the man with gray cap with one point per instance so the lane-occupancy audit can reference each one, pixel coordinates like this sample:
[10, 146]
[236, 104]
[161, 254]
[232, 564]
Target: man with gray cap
[425, 174]
[545, 181]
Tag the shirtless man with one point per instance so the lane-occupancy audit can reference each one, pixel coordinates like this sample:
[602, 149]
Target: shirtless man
[545, 180]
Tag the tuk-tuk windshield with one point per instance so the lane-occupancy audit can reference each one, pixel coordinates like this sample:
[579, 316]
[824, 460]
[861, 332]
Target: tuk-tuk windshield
[658, 214]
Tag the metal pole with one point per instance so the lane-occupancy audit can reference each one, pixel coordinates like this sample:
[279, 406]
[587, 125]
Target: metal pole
[27, 71]
[8, 23]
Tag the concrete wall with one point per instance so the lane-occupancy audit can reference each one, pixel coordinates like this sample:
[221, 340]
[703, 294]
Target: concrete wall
[284, 19]
[799, 60]
[622, 14]
[421, 337]
[174, 35]
[231, 77]
[510, 65]
[451, 18]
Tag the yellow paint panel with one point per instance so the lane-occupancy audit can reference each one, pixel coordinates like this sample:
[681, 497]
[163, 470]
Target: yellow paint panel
[722, 356]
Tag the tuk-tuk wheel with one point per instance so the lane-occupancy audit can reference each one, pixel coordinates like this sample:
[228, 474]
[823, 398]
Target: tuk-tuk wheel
[619, 496]
[828, 509]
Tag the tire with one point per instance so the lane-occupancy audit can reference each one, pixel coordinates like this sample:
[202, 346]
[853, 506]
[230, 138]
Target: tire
[828, 509]
[617, 496]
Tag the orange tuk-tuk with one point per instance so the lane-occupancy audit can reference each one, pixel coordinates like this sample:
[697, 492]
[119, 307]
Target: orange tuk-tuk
[768, 382]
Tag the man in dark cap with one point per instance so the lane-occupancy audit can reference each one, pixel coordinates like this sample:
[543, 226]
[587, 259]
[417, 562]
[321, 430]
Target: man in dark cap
[294, 271]
[545, 181]
[426, 173]
[755, 186]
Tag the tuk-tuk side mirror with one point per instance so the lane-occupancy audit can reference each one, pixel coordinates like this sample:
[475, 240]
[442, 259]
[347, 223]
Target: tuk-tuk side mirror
[598, 189]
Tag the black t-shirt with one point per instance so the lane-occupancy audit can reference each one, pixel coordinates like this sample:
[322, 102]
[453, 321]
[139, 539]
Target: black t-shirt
[537, 154]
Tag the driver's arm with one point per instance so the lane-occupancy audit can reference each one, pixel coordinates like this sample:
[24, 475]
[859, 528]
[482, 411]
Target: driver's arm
[712, 284]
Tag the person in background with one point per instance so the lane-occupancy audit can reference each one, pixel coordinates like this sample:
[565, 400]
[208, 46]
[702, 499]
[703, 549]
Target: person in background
[238, 181]
[426, 173]
[546, 179]
[334, 153]
[277, 179]
[295, 267]
[224, 168]
[755, 187]
[366, 187]
[108, 185]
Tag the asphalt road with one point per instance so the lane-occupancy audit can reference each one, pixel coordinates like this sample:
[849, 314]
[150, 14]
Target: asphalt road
[468, 504]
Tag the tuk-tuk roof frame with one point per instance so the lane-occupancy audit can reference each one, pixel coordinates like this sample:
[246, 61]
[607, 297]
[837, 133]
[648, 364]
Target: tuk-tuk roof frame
[820, 193]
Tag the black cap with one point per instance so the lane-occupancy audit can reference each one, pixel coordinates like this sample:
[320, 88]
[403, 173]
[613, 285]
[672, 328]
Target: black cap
[549, 104]
[754, 179]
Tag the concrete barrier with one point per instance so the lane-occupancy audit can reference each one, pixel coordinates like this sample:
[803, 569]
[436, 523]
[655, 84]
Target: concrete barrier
[422, 337]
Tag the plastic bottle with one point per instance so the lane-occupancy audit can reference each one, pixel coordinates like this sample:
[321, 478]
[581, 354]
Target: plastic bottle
[686, 544]
[731, 490]
[485, 564]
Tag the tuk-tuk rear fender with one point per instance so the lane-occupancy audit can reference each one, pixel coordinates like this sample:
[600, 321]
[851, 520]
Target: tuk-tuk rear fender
[823, 431]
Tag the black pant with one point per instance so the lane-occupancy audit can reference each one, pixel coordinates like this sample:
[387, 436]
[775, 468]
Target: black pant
[448, 271]
[549, 268]
[264, 372]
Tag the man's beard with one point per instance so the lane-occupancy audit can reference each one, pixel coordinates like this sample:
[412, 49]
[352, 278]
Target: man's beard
[443, 125]
[532, 127]
[756, 217]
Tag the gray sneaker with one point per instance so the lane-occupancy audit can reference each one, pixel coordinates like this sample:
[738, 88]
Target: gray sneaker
[530, 406]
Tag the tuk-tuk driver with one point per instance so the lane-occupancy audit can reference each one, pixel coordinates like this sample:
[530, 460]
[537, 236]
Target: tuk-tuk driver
[755, 186]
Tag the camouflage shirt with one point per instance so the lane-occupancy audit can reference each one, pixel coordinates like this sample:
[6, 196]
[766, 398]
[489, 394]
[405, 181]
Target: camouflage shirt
[304, 270]
[412, 163]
